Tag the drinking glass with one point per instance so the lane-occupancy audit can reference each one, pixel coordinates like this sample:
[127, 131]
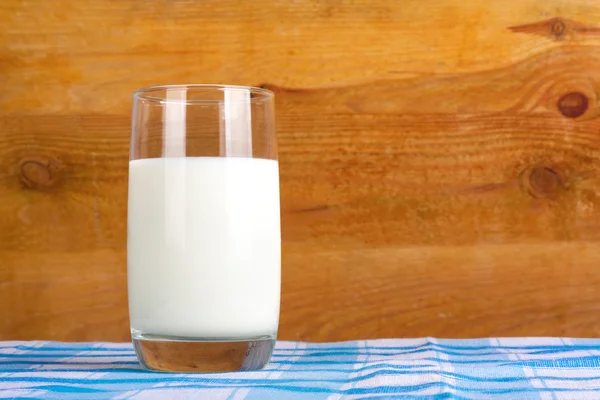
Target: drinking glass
[203, 240]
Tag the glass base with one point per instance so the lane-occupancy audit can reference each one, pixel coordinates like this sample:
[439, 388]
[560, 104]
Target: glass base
[174, 354]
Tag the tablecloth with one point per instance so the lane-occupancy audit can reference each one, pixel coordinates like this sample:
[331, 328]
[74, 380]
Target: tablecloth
[427, 368]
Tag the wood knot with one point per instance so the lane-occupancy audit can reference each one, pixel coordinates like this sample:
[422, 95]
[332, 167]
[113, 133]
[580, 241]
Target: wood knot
[557, 28]
[573, 105]
[38, 173]
[542, 181]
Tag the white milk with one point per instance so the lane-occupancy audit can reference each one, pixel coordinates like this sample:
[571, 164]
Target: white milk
[204, 247]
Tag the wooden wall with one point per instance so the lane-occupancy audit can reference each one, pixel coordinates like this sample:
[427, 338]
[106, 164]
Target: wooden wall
[439, 159]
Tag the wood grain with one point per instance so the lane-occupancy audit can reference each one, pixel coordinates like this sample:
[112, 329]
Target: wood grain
[439, 159]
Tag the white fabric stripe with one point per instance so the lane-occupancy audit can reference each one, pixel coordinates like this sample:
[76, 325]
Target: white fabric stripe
[240, 394]
[447, 367]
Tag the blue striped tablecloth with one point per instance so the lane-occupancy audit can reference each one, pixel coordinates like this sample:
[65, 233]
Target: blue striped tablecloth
[532, 368]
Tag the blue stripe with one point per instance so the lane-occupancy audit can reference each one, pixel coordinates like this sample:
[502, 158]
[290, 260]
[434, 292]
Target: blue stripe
[29, 398]
[441, 396]
[588, 361]
[270, 368]
[569, 361]
[309, 354]
[591, 346]
[457, 347]
[67, 362]
[70, 389]
[67, 348]
[399, 353]
[164, 378]
[66, 355]
[114, 369]
[575, 362]
[358, 391]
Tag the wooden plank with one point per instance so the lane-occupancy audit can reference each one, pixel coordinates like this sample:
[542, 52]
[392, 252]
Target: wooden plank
[439, 160]
[443, 291]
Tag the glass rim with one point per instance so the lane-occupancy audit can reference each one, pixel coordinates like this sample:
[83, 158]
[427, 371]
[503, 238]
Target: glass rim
[146, 93]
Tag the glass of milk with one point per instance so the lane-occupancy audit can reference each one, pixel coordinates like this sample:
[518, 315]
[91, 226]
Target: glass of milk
[203, 241]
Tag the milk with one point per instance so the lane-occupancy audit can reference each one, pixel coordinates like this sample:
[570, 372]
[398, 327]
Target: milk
[204, 247]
